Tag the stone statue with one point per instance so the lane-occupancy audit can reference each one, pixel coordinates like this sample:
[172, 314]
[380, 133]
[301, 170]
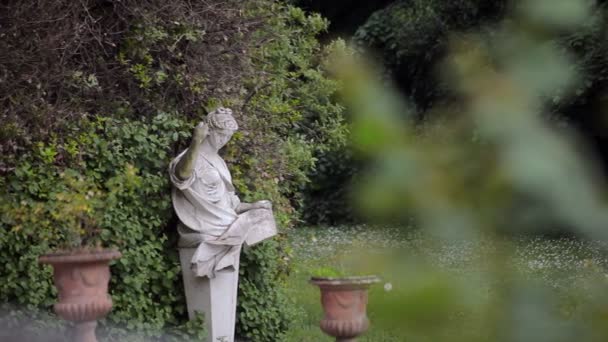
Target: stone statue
[214, 224]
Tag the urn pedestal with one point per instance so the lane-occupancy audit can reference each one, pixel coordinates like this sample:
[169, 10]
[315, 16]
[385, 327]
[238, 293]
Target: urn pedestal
[344, 303]
[81, 279]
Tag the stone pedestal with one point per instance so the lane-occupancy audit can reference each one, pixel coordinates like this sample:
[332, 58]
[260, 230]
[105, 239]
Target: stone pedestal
[215, 298]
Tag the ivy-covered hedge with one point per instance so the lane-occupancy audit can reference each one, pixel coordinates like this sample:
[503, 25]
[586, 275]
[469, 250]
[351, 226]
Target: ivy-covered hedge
[111, 90]
[98, 149]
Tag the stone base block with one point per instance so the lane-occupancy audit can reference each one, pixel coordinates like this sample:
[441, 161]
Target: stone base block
[215, 298]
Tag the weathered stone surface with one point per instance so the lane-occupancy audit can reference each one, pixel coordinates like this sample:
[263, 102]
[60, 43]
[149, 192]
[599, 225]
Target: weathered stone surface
[214, 298]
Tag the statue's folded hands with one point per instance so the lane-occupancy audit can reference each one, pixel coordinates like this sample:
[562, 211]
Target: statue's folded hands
[243, 207]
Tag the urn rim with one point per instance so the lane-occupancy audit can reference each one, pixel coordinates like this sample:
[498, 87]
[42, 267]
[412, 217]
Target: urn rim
[350, 280]
[79, 256]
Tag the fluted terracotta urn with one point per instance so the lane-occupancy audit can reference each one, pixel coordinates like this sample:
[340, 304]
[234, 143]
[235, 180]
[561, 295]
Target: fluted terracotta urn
[81, 279]
[344, 302]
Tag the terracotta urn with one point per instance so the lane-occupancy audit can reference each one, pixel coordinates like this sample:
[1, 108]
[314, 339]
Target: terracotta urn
[344, 303]
[81, 279]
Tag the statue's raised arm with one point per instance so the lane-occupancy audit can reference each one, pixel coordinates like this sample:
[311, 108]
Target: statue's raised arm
[185, 166]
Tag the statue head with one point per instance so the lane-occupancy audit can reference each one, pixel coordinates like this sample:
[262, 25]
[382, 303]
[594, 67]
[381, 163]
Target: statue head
[221, 126]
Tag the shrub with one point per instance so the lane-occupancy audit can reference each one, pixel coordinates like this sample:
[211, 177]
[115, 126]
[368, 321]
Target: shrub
[328, 197]
[410, 37]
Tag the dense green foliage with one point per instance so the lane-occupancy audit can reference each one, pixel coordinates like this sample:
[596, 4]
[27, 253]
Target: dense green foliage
[590, 52]
[104, 94]
[328, 196]
[345, 16]
[411, 36]
[410, 40]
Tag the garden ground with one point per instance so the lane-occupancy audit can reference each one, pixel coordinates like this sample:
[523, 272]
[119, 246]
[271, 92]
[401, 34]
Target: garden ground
[561, 263]
[564, 264]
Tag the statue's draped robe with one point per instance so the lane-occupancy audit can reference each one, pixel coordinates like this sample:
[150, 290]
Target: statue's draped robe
[206, 206]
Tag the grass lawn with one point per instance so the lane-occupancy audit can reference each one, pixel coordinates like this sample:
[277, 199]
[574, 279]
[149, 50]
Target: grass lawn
[568, 267]
[562, 264]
